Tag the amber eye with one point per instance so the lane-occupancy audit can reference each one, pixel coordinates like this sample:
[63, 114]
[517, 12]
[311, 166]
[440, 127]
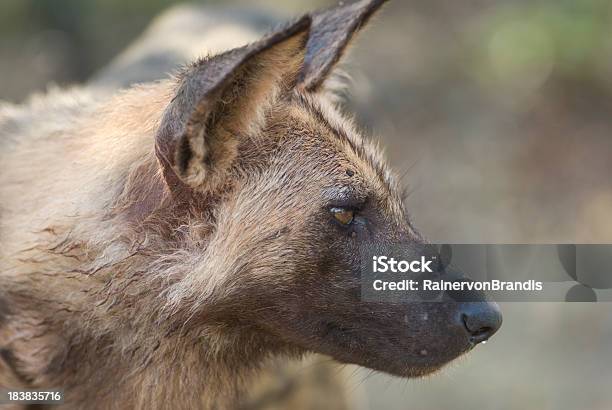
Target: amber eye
[344, 216]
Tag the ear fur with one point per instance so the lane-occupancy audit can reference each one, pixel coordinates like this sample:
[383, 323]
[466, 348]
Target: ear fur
[331, 32]
[222, 98]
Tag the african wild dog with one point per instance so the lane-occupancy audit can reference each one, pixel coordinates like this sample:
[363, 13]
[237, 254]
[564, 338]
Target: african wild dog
[160, 243]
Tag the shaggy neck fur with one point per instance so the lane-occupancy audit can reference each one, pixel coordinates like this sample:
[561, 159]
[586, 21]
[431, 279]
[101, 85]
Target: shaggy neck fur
[99, 297]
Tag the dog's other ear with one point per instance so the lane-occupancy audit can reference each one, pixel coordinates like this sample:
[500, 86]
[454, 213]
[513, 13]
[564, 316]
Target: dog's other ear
[331, 32]
[222, 99]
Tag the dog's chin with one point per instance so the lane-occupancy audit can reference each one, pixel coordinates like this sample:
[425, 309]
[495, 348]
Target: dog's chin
[409, 368]
[415, 371]
[401, 366]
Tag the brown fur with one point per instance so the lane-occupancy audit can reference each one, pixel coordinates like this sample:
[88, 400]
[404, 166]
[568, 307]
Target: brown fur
[124, 282]
[160, 243]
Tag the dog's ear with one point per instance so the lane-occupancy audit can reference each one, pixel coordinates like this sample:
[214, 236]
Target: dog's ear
[331, 32]
[221, 99]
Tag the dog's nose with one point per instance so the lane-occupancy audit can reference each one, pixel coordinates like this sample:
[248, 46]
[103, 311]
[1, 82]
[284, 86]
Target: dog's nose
[481, 320]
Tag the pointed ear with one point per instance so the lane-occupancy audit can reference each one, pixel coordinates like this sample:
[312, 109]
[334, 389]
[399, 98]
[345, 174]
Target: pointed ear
[220, 99]
[330, 35]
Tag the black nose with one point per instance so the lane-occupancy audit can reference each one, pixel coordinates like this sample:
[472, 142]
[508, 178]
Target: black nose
[481, 320]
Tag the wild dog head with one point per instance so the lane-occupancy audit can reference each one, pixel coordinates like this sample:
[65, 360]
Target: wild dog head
[297, 191]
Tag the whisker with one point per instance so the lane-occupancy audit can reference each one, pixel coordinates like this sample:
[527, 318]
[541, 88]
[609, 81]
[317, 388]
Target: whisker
[407, 191]
[410, 167]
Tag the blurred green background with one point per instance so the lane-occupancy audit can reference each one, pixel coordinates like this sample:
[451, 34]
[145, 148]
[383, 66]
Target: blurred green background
[498, 112]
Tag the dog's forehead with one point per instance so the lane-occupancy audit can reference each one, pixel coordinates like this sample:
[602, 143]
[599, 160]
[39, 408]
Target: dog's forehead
[333, 137]
[341, 153]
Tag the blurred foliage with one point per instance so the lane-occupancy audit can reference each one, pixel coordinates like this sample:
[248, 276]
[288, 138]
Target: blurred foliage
[523, 44]
[96, 29]
[515, 43]
[65, 41]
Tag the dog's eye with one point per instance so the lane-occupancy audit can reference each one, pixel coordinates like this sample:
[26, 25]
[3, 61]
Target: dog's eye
[342, 215]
